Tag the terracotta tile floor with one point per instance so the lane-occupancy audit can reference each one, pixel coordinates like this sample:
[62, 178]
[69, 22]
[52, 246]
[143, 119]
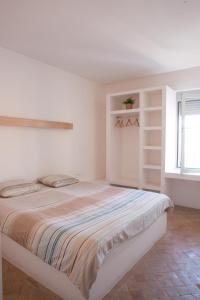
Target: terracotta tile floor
[170, 271]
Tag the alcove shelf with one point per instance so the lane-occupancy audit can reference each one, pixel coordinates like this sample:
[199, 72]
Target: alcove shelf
[22, 122]
[125, 112]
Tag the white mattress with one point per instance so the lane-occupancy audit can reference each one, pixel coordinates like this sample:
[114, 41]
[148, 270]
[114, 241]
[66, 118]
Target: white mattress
[116, 264]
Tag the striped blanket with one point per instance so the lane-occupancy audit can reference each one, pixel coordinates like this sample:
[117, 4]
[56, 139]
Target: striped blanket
[75, 234]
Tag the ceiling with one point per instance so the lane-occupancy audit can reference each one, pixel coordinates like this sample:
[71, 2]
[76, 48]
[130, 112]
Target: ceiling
[104, 40]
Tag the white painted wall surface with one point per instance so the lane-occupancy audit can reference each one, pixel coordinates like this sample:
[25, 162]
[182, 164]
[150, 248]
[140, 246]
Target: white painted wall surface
[178, 80]
[183, 192]
[31, 89]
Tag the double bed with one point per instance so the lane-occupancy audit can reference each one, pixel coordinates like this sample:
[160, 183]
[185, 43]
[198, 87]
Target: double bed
[79, 240]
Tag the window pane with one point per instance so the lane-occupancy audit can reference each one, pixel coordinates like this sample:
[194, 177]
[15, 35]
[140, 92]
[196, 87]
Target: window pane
[179, 135]
[192, 141]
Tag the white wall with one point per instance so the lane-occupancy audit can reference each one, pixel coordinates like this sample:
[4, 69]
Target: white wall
[178, 80]
[185, 193]
[31, 89]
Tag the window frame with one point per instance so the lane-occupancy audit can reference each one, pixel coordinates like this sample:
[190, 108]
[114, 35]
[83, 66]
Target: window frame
[181, 131]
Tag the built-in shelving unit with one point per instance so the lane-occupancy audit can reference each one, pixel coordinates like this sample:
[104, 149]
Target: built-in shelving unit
[136, 154]
[152, 131]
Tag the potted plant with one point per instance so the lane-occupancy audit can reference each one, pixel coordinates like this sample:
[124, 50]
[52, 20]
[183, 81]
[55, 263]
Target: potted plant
[129, 102]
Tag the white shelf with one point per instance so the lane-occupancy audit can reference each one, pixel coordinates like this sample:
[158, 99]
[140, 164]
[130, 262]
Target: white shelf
[152, 148]
[125, 111]
[153, 108]
[125, 182]
[152, 187]
[152, 167]
[152, 128]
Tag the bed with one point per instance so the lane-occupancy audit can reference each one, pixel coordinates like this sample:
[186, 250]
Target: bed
[79, 240]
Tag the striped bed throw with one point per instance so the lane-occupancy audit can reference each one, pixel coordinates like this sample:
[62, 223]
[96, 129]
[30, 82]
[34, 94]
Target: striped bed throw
[75, 235]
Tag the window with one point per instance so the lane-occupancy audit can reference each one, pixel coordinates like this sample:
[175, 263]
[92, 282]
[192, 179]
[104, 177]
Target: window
[188, 158]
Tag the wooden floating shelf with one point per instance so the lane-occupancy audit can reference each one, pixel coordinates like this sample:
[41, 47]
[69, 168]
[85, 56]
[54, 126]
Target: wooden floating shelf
[11, 121]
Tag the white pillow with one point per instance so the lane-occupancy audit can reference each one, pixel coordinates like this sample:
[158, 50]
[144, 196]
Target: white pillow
[13, 188]
[57, 180]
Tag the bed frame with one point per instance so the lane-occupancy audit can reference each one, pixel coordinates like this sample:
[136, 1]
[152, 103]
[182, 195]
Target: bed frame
[111, 272]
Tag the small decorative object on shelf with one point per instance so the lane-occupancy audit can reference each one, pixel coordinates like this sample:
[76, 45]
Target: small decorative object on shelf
[129, 102]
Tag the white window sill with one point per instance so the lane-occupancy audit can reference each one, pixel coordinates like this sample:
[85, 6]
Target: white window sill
[176, 174]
